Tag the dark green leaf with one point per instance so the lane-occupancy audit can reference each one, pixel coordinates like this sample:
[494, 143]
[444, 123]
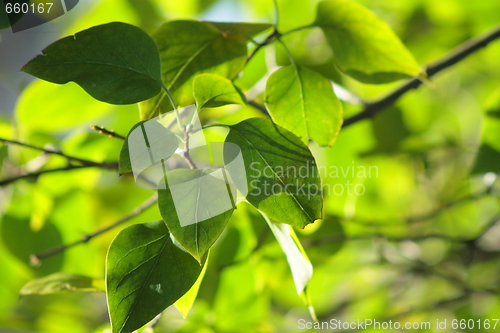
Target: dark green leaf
[116, 63]
[189, 48]
[303, 102]
[487, 160]
[213, 90]
[364, 46]
[61, 282]
[282, 178]
[145, 273]
[147, 143]
[196, 206]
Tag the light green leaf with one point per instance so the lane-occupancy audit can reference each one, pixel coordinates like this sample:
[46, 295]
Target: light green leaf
[189, 48]
[147, 143]
[62, 282]
[300, 265]
[116, 63]
[59, 112]
[213, 90]
[145, 273]
[303, 102]
[196, 206]
[364, 46]
[282, 178]
[185, 303]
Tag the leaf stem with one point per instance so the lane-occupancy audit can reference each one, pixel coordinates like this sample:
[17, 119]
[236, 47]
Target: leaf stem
[37, 258]
[174, 105]
[298, 29]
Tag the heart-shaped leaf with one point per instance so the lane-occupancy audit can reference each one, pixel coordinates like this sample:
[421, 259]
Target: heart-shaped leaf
[364, 46]
[196, 206]
[211, 91]
[116, 63]
[303, 102]
[190, 48]
[145, 273]
[282, 178]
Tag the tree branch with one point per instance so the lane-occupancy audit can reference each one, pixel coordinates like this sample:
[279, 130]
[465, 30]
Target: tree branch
[104, 131]
[104, 165]
[37, 258]
[38, 173]
[461, 52]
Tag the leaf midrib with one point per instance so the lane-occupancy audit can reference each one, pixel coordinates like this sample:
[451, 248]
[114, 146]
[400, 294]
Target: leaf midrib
[275, 174]
[145, 282]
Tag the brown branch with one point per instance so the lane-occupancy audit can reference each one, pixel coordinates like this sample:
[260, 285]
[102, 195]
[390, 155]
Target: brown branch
[37, 258]
[104, 131]
[60, 153]
[185, 152]
[458, 54]
[38, 173]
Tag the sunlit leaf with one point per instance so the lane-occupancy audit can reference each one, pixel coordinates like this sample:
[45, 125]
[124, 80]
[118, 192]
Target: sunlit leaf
[300, 266]
[196, 206]
[364, 46]
[59, 111]
[116, 63]
[145, 273]
[282, 176]
[185, 303]
[62, 282]
[189, 48]
[303, 102]
[213, 91]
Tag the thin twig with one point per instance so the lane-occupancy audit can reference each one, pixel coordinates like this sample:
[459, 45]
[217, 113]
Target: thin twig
[259, 107]
[38, 173]
[37, 258]
[461, 52]
[60, 153]
[271, 38]
[185, 152]
[104, 131]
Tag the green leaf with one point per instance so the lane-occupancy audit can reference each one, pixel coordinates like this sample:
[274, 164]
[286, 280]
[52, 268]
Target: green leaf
[116, 63]
[185, 303]
[196, 206]
[281, 174]
[300, 265]
[145, 273]
[303, 102]
[62, 282]
[147, 143]
[190, 48]
[364, 46]
[211, 91]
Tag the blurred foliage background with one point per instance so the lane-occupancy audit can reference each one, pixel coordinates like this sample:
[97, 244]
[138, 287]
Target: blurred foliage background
[420, 243]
